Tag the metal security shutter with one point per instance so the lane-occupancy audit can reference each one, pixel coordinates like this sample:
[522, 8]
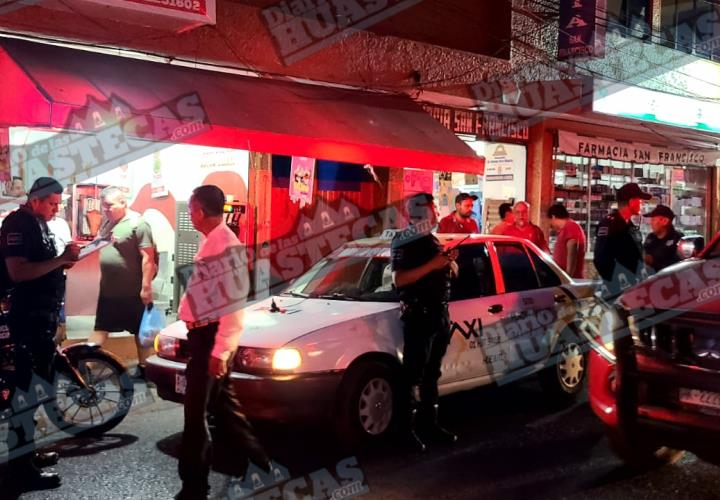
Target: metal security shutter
[186, 246]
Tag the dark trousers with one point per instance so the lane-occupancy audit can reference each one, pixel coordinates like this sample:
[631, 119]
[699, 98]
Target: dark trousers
[426, 333]
[33, 334]
[205, 392]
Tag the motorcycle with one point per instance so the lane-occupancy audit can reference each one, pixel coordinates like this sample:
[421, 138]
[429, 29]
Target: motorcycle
[92, 390]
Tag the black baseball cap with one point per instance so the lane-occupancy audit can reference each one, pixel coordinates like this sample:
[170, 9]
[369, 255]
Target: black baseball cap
[416, 204]
[632, 190]
[44, 187]
[661, 211]
[465, 196]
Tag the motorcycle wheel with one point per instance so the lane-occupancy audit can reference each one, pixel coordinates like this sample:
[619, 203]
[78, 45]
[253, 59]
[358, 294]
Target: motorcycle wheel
[96, 410]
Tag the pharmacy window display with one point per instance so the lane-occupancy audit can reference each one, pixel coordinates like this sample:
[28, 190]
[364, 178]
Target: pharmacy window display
[587, 188]
[588, 170]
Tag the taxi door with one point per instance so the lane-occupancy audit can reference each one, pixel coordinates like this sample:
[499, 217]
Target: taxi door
[474, 308]
[532, 293]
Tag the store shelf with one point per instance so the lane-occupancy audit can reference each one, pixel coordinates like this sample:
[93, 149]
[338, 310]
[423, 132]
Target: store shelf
[587, 188]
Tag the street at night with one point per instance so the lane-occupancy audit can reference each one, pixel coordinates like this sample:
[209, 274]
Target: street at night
[512, 446]
[385, 249]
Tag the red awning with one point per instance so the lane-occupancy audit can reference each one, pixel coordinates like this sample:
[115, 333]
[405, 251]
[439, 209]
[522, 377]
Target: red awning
[49, 86]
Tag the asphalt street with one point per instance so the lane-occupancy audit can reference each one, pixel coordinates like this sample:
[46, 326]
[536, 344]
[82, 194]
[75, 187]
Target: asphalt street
[513, 445]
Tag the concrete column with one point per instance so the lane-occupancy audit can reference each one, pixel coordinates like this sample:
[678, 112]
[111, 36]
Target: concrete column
[713, 204]
[260, 199]
[539, 176]
[259, 194]
[656, 21]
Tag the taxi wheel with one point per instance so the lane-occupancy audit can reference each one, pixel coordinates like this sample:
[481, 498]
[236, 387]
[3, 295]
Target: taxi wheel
[366, 404]
[564, 377]
[639, 455]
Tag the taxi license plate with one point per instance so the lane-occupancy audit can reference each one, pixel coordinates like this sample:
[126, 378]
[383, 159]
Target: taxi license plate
[703, 399]
[180, 383]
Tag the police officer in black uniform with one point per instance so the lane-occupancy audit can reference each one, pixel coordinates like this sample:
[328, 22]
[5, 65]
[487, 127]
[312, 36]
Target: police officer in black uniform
[618, 253]
[661, 246]
[35, 299]
[421, 273]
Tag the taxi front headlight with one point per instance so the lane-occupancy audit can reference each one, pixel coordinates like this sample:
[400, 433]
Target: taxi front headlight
[259, 360]
[253, 359]
[286, 359]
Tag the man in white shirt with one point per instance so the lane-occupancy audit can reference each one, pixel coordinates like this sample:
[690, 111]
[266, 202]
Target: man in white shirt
[61, 233]
[212, 310]
[62, 236]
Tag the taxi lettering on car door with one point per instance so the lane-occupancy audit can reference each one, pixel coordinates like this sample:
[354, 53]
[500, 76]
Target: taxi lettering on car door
[503, 312]
[475, 307]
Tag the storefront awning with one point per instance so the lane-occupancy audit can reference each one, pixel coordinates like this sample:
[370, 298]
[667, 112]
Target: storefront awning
[54, 87]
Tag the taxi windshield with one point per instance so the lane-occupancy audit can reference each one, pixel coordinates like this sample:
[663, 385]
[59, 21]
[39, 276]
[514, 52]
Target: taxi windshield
[344, 276]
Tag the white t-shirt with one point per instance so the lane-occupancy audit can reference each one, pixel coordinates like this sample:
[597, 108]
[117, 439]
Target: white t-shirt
[61, 233]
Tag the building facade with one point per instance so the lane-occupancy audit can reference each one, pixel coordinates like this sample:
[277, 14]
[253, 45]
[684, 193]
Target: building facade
[545, 108]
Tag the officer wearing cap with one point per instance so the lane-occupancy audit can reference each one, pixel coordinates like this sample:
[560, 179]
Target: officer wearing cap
[460, 220]
[421, 272]
[38, 281]
[618, 253]
[661, 246]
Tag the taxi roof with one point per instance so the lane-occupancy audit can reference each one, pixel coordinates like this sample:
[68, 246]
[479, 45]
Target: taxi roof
[445, 238]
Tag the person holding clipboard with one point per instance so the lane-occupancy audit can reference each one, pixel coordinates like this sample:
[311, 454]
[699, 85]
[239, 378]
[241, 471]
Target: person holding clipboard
[38, 287]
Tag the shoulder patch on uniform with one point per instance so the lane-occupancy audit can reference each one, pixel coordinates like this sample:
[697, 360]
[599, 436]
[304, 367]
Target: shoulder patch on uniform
[670, 243]
[603, 231]
[14, 239]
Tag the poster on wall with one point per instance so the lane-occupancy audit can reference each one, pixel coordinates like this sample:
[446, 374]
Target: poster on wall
[445, 199]
[504, 171]
[417, 181]
[302, 179]
[124, 181]
[499, 165]
[158, 186]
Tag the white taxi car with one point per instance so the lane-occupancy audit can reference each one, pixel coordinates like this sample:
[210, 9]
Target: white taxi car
[331, 344]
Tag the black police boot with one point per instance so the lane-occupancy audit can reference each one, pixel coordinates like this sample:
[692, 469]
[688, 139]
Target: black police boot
[258, 457]
[45, 459]
[410, 437]
[29, 478]
[42, 481]
[251, 444]
[192, 493]
[432, 430]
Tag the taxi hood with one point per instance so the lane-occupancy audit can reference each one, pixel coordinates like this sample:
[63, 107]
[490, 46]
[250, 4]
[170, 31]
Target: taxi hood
[692, 285]
[268, 328]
